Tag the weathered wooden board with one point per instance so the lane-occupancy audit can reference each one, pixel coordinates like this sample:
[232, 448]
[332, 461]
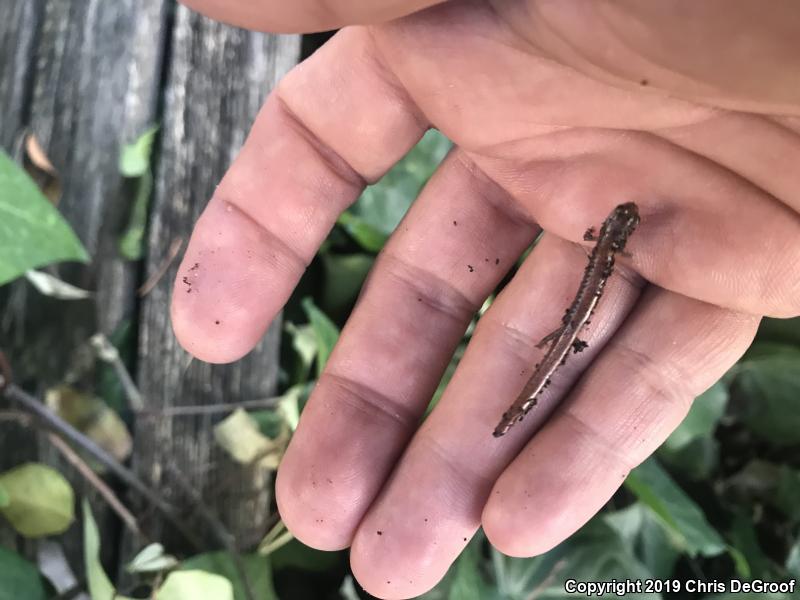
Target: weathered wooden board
[217, 80]
[83, 77]
[19, 24]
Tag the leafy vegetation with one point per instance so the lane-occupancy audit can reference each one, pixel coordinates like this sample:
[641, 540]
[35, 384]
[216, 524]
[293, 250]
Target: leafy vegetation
[32, 232]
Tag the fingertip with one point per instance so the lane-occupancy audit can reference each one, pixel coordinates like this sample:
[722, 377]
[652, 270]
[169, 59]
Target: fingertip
[232, 282]
[502, 528]
[303, 508]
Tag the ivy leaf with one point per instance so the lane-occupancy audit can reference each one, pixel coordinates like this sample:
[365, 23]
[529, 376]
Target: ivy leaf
[134, 159]
[683, 520]
[151, 559]
[325, 330]
[19, 579]
[100, 586]
[383, 205]
[702, 419]
[181, 585]
[4, 499]
[32, 232]
[40, 501]
[769, 388]
[370, 238]
[257, 569]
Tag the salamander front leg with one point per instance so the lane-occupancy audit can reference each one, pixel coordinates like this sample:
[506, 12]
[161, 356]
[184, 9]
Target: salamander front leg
[579, 346]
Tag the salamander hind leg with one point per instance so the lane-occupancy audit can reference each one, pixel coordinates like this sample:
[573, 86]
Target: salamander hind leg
[550, 337]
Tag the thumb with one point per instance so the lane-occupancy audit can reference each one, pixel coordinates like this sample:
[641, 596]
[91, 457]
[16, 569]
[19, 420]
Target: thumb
[305, 15]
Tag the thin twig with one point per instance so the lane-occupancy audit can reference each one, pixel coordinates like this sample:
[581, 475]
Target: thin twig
[225, 537]
[151, 282]
[67, 431]
[108, 353]
[106, 492]
[15, 415]
[210, 409]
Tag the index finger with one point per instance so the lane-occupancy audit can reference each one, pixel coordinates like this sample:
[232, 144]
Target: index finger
[308, 156]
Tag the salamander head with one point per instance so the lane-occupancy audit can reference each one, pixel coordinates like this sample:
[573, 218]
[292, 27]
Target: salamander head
[623, 220]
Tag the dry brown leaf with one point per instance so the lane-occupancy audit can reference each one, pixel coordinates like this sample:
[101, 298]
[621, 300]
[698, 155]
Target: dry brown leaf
[38, 156]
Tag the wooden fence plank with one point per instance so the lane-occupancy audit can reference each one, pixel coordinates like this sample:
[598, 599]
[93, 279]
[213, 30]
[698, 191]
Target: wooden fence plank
[94, 85]
[218, 78]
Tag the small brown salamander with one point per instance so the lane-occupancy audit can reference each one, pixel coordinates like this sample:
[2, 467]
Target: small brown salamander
[614, 234]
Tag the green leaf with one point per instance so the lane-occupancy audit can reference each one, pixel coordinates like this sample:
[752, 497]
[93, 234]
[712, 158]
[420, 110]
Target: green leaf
[296, 555]
[595, 553]
[697, 460]
[768, 386]
[100, 586]
[788, 492]
[182, 585]
[19, 579]
[4, 498]
[684, 521]
[645, 537]
[368, 237]
[383, 205]
[131, 244]
[257, 568]
[467, 582]
[447, 376]
[304, 343]
[783, 331]
[344, 276]
[793, 560]
[702, 419]
[151, 559]
[40, 500]
[325, 330]
[743, 537]
[134, 159]
[32, 232]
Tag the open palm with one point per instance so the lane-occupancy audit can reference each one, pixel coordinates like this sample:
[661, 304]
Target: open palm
[559, 111]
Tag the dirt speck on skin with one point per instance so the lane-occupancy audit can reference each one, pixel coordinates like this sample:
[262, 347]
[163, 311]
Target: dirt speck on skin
[465, 539]
[455, 223]
[497, 261]
[195, 267]
[644, 82]
[216, 322]
[379, 532]
[471, 268]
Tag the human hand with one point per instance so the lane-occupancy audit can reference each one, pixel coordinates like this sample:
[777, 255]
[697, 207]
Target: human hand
[559, 111]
